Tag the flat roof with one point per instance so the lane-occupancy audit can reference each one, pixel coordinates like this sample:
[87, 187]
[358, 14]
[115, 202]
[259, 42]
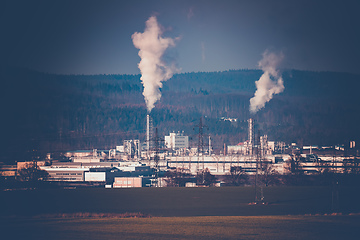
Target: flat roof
[64, 169]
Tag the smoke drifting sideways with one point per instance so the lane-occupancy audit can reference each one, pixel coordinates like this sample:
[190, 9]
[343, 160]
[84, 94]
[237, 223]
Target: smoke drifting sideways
[270, 82]
[154, 70]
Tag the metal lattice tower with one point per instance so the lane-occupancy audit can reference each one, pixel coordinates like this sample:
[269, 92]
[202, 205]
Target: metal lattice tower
[257, 147]
[156, 140]
[200, 148]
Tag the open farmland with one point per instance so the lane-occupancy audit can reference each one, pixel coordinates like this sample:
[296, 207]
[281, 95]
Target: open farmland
[180, 213]
[215, 227]
[175, 202]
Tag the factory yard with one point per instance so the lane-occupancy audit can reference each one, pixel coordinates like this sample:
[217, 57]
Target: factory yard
[180, 213]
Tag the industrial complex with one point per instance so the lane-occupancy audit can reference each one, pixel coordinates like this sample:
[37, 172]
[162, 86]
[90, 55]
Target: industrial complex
[146, 164]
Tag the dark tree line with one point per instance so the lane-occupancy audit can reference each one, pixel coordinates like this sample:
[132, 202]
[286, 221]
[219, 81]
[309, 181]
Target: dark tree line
[54, 113]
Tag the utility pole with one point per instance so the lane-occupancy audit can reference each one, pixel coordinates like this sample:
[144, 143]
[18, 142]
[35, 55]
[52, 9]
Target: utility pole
[200, 147]
[157, 141]
[200, 150]
[257, 145]
[334, 186]
[209, 146]
[200, 137]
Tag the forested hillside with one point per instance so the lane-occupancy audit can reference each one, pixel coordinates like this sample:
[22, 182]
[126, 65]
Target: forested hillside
[53, 113]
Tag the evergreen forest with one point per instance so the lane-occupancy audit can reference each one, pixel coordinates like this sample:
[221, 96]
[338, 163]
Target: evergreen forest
[44, 113]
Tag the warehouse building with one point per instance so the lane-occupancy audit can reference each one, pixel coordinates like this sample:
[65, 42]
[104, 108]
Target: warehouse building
[74, 174]
[131, 182]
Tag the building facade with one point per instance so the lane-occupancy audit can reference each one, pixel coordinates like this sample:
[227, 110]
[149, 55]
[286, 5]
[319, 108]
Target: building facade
[129, 182]
[176, 141]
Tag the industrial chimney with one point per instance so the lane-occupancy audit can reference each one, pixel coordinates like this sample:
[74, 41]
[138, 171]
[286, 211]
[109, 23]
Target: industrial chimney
[148, 132]
[251, 135]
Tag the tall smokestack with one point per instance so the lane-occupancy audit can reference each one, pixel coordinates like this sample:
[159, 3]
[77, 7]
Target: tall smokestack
[148, 132]
[251, 135]
[251, 130]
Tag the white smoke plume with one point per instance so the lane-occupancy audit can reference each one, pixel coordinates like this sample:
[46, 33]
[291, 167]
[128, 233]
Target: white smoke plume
[270, 82]
[154, 71]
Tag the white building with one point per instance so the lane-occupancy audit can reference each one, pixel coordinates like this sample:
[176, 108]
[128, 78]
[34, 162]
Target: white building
[120, 148]
[95, 176]
[132, 148]
[68, 174]
[176, 141]
[86, 159]
[243, 148]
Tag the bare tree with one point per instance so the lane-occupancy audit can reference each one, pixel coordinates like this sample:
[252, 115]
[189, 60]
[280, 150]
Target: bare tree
[268, 175]
[178, 178]
[204, 177]
[32, 173]
[236, 177]
[294, 166]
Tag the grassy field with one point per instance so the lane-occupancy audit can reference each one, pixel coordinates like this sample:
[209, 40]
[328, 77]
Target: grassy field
[214, 227]
[181, 213]
[169, 202]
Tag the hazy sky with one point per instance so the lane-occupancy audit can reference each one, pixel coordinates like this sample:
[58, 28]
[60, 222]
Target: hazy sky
[91, 37]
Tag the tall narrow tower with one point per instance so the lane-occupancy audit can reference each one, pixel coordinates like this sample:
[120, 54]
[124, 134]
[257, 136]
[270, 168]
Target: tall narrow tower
[200, 135]
[251, 135]
[209, 146]
[148, 133]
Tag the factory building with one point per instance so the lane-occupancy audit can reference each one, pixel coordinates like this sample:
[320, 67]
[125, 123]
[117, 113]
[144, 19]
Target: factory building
[132, 148]
[88, 159]
[131, 182]
[73, 174]
[256, 144]
[92, 167]
[95, 176]
[89, 156]
[80, 153]
[176, 141]
[100, 172]
[7, 170]
[242, 148]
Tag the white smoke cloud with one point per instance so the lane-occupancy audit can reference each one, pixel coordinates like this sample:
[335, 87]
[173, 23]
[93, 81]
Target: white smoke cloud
[270, 82]
[153, 70]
